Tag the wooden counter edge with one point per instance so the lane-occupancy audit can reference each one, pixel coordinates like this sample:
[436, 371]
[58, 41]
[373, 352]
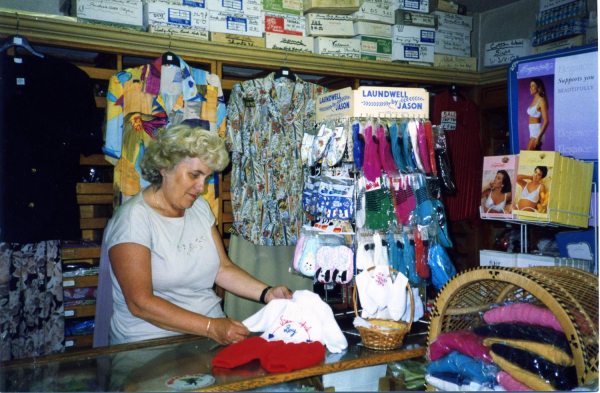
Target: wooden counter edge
[270, 379]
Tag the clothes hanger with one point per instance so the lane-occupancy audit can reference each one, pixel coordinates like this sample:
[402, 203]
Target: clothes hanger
[19, 41]
[285, 72]
[169, 58]
[454, 90]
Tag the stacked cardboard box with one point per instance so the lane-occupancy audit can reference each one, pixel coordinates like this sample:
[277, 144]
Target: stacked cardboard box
[560, 19]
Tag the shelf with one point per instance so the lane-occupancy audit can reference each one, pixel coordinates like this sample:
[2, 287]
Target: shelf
[82, 341]
[80, 252]
[80, 281]
[80, 311]
[63, 31]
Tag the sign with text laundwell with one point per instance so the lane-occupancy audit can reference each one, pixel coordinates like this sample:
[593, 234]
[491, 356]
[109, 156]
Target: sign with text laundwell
[391, 102]
[335, 104]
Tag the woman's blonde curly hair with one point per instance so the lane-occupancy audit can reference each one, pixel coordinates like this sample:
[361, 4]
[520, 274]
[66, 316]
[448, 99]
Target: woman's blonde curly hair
[179, 142]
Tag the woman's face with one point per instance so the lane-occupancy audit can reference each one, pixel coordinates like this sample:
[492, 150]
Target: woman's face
[185, 182]
[537, 175]
[498, 180]
[533, 88]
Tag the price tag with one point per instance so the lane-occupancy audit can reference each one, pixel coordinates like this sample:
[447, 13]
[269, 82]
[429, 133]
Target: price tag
[448, 120]
[69, 313]
[69, 343]
[69, 283]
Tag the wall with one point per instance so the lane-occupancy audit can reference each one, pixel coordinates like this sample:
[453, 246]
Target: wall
[53, 7]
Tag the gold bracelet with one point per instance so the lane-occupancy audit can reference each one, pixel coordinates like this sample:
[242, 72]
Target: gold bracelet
[208, 327]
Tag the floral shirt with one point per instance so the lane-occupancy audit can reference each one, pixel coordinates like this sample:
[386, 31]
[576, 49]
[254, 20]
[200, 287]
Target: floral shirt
[144, 99]
[266, 120]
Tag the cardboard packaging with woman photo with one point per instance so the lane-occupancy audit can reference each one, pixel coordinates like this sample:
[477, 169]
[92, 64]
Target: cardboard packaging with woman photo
[534, 193]
[497, 190]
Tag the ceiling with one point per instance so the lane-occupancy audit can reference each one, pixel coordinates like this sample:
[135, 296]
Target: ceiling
[478, 6]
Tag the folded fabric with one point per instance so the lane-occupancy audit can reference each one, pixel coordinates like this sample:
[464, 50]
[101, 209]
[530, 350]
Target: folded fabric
[398, 294]
[509, 383]
[448, 382]
[274, 356]
[526, 313]
[380, 286]
[525, 332]
[561, 378]
[369, 308]
[419, 310]
[464, 341]
[547, 351]
[531, 380]
[473, 369]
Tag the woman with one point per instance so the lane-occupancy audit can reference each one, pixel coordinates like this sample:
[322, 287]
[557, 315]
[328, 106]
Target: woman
[498, 193]
[532, 189]
[537, 111]
[166, 253]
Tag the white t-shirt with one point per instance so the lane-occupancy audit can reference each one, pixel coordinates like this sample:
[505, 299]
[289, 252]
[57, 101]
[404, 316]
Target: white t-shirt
[184, 261]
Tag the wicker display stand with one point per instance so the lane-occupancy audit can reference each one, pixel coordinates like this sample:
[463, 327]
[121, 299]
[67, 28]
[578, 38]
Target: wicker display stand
[571, 294]
[384, 339]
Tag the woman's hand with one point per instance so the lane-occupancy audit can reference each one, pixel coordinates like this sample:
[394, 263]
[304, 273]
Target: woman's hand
[227, 331]
[279, 292]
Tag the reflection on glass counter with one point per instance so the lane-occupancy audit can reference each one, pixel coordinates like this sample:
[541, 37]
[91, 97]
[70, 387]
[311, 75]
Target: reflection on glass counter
[177, 363]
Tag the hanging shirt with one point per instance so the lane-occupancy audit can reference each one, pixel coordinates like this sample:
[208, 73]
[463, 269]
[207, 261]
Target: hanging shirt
[48, 117]
[144, 99]
[464, 145]
[266, 120]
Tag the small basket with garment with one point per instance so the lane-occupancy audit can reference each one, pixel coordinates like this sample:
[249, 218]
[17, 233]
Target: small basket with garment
[374, 338]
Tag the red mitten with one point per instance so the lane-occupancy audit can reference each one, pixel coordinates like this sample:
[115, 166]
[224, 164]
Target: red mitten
[293, 356]
[242, 352]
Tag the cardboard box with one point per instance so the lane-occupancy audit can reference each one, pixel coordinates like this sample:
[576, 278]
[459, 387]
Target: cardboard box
[127, 12]
[576, 244]
[329, 25]
[576, 8]
[412, 5]
[379, 11]
[591, 35]
[188, 3]
[246, 7]
[446, 6]
[455, 62]
[174, 15]
[413, 53]
[559, 31]
[277, 22]
[373, 29]
[549, 4]
[593, 19]
[294, 7]
[566, 43]
[239, 40]
[290, 43]
[500, 53]
[529, 161]
[375, 45]
[449, 21]
[499, 173]
[227, 22]
[497, 258]
[530, 260]
[112, 24]
[180, 32]
[453, 42]
[415, 19]
[368, 56]
[340, 7]
[413, 35]
[339, 47]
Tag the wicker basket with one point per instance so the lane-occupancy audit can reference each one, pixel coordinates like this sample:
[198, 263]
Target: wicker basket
[571, 294]
[384, 340]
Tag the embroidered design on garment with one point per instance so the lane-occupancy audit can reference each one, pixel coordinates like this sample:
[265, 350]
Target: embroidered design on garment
[195, 245]
[289, 329]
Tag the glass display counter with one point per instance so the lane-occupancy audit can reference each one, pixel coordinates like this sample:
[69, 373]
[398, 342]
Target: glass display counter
[177, 363]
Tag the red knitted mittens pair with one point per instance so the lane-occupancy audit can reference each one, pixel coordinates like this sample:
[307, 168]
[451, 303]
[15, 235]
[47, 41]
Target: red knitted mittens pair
[274, 356]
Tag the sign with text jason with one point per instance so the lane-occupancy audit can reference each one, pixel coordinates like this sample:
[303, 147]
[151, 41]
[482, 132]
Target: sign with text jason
[338, 103]
[391, 102]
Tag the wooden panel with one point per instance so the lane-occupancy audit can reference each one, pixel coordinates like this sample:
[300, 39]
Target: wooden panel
[80, 311]
[98, 73]
[92, 223]
[100, 102]
[84, 341]
[94, 235]
[94, 160]
[94, 199]
[92, 211]
[89, 261]
[95, 188]
[494, 96]
[225, 195]
[80, 281]
[227, 84]
[226, 242]
[227, 226]
[227, 218]
[80, 252]
[226, 185]
[227, 208]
